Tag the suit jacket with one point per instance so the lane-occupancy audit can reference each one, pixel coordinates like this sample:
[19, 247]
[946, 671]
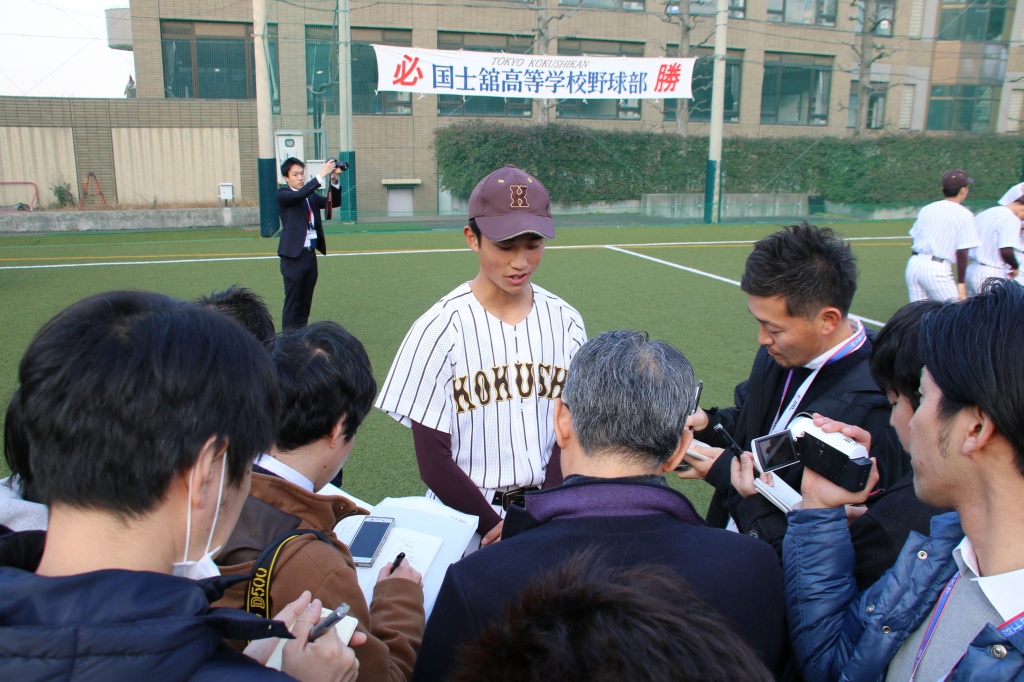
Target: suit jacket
[291, 205]
[632, 522]
[843, 390]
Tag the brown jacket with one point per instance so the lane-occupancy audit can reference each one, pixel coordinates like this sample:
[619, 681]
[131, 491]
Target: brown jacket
[394, 620]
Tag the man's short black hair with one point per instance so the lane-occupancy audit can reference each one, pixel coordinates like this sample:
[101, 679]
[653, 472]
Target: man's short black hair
[896, 360]
[810, 266]
[972, 349]
[590, 620]
[324, 374]
[288, 163]
[16, 449]
[475, 228]
[120, 391]
[247, 308]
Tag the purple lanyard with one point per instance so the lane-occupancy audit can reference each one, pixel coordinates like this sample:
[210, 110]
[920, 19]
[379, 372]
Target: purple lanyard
[933, 622]
[855, 342]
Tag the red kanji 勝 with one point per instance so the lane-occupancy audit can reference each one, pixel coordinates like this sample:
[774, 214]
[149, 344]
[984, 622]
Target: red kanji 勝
[408, 71]
[668, 77]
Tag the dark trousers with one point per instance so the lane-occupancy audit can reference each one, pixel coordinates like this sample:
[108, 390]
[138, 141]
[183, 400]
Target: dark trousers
[300, 274]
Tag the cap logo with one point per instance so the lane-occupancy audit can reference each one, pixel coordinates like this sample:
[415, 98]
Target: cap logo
[519, 196]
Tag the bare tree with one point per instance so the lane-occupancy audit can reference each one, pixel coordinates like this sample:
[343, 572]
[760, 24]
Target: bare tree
[685, 26]
[867, 52]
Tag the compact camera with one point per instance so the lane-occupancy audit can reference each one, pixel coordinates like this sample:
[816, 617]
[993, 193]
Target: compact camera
[832, 455]
[342, 165]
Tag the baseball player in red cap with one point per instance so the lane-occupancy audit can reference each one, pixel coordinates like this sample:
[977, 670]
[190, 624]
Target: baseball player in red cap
[943, 232]
[477, 375]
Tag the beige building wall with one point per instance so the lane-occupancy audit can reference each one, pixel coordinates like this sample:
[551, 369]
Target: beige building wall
[44, 156]
[167, 166]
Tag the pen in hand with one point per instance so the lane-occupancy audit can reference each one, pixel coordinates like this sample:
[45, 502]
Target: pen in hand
[327, 623]
[733, 447]
[397, 562]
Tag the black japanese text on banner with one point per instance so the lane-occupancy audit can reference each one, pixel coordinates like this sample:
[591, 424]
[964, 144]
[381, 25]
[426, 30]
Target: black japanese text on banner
[490, 74]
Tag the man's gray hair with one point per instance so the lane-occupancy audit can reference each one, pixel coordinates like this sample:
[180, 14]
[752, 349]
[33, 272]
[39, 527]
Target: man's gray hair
[629, 395]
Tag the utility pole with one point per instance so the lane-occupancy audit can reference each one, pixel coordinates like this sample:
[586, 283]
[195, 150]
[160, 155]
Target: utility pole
[713, 180]
[349, 206]
[266, 161]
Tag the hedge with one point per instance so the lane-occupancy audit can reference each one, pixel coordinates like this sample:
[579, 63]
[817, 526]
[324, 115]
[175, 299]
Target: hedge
[585, 165]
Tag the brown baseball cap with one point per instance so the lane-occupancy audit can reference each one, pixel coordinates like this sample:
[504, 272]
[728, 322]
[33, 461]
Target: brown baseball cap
[510, 202]
[955, 179]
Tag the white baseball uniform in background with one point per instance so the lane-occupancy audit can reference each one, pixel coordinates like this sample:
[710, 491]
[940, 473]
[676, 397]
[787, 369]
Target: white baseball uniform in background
[489, 384]
[941, 229]
[998, 228]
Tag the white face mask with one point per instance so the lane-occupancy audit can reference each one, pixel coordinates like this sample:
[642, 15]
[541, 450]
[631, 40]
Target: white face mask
[204, 567]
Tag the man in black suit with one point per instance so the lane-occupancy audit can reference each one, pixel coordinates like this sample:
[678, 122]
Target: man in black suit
[302, 234]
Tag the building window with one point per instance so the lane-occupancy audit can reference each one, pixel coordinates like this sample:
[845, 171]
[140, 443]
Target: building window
[737, 8]
[703, 77]
[963, 107]
[365, 98]
[630, 5]
[814, 12]
[622, 109]
[975, 20]
[208, 60]
[796, 89]
[882, 21]
[876, 107]
[458, 105]
[321, 71]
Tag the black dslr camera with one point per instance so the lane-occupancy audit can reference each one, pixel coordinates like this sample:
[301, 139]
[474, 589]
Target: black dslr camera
[342, 165]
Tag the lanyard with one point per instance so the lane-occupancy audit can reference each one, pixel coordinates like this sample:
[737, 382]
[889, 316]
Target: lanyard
[310, 209]
[930, 630]
[1012, 626]
[783, 418]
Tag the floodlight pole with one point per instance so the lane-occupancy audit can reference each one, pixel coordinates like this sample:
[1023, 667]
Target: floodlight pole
[348, 211]
[713, 180]
[266, 160]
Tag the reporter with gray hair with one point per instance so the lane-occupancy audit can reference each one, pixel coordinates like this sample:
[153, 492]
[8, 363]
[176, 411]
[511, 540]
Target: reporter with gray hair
[621, 424]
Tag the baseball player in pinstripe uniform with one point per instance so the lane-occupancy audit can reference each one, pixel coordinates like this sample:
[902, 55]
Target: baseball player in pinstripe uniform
[999, 230]
[943, 232]
[477, 375]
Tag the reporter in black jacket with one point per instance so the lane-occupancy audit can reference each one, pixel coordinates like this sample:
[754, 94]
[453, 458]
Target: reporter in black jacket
[302, 234]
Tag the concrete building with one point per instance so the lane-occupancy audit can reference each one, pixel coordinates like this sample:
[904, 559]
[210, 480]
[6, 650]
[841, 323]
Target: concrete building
[940, 65]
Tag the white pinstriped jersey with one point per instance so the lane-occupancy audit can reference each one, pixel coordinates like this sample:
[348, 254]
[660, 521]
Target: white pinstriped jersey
[942, 228]
[998, 228]
[489, 384]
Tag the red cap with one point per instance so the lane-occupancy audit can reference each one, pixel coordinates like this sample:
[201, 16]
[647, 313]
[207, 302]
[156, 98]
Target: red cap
[955, 179]
[510, 202]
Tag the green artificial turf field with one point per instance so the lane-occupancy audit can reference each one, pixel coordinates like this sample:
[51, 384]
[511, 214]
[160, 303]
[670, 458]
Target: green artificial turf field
[377, 284]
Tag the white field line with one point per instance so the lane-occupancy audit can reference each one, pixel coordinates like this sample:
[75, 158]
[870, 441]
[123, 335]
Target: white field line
[702, 273]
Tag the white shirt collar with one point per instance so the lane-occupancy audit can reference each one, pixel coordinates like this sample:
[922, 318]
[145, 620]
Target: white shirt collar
[1004, 591]
[819, 361]
[281, 469]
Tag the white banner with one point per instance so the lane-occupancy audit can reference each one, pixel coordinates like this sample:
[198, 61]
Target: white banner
[490, 74]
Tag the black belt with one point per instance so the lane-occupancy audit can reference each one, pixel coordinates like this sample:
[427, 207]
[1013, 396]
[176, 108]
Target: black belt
[516, 496]
[934, 258]
[311, 249]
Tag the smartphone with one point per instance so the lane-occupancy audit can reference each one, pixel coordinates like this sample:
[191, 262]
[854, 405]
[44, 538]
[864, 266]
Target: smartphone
[775, 451]
[369, 539]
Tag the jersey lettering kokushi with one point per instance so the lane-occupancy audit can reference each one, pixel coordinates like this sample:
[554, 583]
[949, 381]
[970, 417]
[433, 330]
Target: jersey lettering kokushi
[489, 384]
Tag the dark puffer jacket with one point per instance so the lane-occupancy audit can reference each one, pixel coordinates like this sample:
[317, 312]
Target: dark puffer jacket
[118, 625]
